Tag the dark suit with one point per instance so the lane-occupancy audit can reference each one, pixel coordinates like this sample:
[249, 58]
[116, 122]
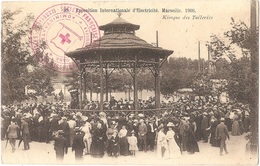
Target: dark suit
[246, 124]
[198, 132]
[142, 131]
[78, 145]
[25, 134]
[184, 131]
[54, 124]
[222, 134]
[60, 147]
[150, 136]
[204, 126]
[5, 124]
[64, 126]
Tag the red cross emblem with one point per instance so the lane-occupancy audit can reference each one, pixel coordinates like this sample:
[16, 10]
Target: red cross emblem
[65, 38]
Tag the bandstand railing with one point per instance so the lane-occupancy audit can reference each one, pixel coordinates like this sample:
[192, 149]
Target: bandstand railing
[127, 112]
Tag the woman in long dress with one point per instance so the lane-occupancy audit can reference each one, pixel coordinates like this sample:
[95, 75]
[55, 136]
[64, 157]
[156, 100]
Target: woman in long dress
[123, 143]
[172, 145]
[162, 146]
[87, 137]
[111, 131]
[192, 145]
[235, 127]
[213, 141]
[97, 147]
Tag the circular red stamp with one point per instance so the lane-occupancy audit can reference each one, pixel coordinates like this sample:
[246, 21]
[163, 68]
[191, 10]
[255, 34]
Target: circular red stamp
[63, 28]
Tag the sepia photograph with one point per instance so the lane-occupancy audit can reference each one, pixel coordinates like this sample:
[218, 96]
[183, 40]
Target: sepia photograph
[130, 82]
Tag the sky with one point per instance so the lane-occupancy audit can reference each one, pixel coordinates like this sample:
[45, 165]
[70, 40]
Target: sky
[181, 35]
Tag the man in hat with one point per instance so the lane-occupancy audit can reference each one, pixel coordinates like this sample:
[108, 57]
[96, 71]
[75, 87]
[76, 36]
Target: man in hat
[25, 133]
[222, 134]
[246, 122]
[60, 145]
[6, 121]
[151, 133]
[64, 126]
[142, 131]
[184, 129]
[135, 126]
[78, 144]
[204, 127]
[72, 125]
[54, 123]
[112, 130]
[112, 102]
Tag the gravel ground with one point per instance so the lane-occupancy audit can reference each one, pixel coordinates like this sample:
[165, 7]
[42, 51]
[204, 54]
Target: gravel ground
[42, 153]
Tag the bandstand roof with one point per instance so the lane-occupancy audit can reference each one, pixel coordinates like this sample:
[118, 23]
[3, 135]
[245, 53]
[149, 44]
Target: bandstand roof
[119, 22]
[119, 44]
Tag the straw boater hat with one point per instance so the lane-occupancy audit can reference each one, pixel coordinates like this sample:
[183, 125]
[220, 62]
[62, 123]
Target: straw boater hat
[141, 115]
[150, 120]
[53, 115]
[102, 114]
[112, 122]
[77, 129]
[170, 124]
[186, 117]
[84, 118]
[78, 114]
[131, 115]
[160, 127]
[60, 132]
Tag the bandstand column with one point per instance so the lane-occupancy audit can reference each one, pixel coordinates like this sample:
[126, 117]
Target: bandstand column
[84, 85]
[157, 84]
[101, 84]
[80, 86]
[107, 79]
[91, 87]
[135, 84]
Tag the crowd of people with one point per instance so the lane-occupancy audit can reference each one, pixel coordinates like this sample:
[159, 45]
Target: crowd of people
[175, 130]
[120, 104]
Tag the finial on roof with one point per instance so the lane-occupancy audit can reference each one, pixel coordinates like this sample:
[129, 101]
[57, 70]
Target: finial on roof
[119, 14]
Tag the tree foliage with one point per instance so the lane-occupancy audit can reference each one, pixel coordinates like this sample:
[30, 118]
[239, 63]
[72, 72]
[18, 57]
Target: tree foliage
[20, 67]
[242, 82]
[178, 73]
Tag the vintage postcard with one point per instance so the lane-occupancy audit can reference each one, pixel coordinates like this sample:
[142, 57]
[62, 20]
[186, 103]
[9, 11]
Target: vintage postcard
[129, 82]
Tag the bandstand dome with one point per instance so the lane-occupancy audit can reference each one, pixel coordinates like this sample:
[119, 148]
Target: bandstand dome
[119, 39]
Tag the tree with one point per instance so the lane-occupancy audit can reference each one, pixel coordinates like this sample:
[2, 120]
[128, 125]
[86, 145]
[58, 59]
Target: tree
[39, 82]
[145, 81]
[72, 80]
[178, 73]
[238, 73]
[202, 86]
[20, 67]
[243, 78]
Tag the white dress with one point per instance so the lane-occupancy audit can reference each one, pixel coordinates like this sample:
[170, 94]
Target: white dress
[87, 137]
[162, 145]
[172, 145]
[132, 140]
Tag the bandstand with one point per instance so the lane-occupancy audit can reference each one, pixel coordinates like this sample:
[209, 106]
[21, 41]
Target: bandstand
[119, 48]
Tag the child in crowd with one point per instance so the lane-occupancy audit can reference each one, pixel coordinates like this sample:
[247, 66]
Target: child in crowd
[132, 140]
